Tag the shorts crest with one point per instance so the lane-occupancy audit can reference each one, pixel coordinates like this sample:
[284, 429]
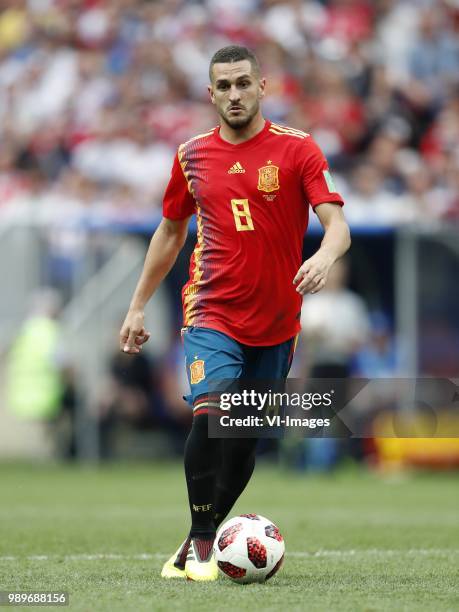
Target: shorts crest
[197, 372]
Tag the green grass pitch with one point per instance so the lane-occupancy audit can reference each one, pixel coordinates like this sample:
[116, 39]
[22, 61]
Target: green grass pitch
[354, 541]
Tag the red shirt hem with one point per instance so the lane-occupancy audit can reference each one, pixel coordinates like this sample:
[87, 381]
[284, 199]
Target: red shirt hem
[217, 326]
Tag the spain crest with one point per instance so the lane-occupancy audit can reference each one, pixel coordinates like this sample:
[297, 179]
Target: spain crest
[197, 372]
[268, 178]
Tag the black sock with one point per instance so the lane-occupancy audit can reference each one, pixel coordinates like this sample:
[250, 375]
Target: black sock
[237, 464]
[202, 455]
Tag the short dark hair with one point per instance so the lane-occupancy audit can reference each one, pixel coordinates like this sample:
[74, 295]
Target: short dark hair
[234, 53]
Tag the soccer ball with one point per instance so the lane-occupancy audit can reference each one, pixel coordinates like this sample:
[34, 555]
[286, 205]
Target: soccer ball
[249, 548]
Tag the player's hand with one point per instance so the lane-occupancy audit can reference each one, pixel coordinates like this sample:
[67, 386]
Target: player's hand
[133, 333]
[313, 274]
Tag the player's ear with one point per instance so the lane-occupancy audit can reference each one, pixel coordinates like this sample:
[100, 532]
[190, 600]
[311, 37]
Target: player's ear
[211, 93]
[262, 86]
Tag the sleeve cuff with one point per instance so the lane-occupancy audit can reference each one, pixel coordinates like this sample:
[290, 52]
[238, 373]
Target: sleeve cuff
[332, 200]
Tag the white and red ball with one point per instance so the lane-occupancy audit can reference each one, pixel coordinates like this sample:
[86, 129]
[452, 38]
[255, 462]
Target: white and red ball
[249, 548]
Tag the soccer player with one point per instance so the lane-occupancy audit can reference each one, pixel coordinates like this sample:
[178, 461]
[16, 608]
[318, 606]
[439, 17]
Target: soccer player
[250, 183]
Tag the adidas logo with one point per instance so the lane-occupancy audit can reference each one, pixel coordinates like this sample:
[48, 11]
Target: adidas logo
[236, 169]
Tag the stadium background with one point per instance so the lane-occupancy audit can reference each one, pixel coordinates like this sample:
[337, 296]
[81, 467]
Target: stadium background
[94, 98]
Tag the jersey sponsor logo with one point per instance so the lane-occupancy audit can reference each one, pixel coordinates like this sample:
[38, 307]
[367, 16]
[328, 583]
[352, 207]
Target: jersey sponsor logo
[236, 169]
[197, 372]
[268, 178]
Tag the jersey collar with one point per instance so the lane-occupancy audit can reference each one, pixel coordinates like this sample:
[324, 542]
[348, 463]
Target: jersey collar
[247, 143]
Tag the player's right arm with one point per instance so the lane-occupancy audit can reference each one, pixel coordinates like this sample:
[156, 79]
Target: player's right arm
[164, 248]
[165, 245]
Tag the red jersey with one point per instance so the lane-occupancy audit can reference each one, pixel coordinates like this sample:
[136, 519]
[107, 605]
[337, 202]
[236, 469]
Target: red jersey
[251, 202]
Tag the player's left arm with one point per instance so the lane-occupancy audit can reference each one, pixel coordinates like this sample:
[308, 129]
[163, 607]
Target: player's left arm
[313, 274]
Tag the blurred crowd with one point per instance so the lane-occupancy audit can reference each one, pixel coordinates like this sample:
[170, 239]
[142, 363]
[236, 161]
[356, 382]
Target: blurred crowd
[95, 96]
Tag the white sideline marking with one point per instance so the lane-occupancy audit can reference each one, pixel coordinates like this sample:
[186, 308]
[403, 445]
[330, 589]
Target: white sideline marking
[377, 552]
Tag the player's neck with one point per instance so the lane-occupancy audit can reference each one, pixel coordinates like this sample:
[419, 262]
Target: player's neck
[239, 136]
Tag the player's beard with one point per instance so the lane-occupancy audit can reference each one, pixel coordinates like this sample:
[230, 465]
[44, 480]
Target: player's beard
[239, 123]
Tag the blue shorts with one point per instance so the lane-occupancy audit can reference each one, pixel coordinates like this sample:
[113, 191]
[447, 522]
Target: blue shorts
[212, 356]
